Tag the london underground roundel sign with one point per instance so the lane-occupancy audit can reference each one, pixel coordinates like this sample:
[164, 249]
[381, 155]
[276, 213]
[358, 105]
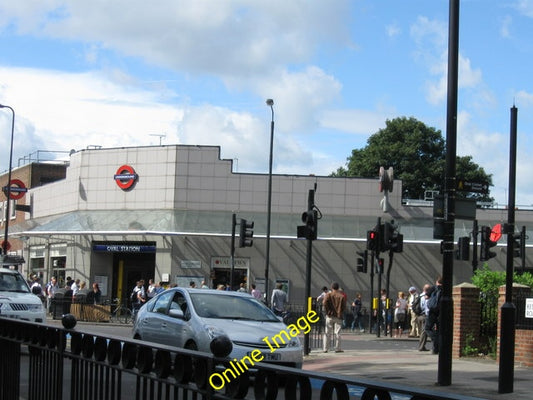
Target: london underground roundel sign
[17, 190]
[125, 177]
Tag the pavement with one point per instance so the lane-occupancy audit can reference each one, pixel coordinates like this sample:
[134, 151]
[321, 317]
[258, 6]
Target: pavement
[398, 361]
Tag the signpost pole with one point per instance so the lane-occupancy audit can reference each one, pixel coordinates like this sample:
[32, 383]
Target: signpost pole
[508, 311]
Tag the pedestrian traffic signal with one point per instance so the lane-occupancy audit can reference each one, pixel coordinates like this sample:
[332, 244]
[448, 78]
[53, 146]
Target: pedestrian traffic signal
[246, 233]
[309, 230]
[463, 248]
[362, 261]
[372, 240]
[486, 244]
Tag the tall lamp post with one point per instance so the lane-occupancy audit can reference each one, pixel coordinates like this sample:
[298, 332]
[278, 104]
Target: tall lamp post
[8, 190]
[269, 103]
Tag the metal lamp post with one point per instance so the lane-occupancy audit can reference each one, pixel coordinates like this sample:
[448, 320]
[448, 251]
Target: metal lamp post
[269, 103]
[8, 190]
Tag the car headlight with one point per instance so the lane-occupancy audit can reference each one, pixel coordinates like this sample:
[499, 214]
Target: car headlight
[213, 331]
[295, 342]
[34, 307]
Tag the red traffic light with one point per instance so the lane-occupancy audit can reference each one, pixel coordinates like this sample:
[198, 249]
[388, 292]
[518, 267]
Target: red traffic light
[496, 233]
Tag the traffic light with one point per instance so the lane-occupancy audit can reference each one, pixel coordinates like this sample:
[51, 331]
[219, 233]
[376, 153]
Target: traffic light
[379, 266]
[362, 261]
[309, 230]
[246, 233]
[519, 244]
[485, 253]
[463, 248]
[372, 240]
[392, 239]
[387, 230]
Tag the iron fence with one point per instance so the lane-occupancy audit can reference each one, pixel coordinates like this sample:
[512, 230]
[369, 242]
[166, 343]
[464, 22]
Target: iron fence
[49, 362]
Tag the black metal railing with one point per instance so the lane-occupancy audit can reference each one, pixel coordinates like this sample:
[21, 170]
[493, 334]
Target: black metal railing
[42, 361]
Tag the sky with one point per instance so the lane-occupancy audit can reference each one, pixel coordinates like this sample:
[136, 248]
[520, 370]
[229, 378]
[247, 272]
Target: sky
[81, 74]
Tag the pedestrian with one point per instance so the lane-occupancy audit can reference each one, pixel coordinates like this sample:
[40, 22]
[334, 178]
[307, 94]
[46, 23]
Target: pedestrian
[242, 288]
[150, 292]
[334, 305]
[75, 287]
[192, 284]
[82, 293]
[400, 314]
[423, 313]
[256, 292]
[279, 298]
[138, 296]
[51, 288]
[357, 306]
[204, 285]
[412, 317]
[432, 320]
[94, 296]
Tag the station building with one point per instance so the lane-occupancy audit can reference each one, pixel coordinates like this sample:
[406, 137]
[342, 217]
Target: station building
[117, 215]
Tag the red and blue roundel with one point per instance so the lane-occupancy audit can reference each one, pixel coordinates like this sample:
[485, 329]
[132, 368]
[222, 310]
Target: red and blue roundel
[125, 177]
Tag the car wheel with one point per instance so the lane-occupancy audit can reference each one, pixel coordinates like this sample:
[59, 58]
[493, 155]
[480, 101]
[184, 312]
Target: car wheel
[191, 346]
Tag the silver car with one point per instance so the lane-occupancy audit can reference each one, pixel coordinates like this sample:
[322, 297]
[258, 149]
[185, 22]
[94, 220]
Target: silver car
[192, 318]
[16, 299]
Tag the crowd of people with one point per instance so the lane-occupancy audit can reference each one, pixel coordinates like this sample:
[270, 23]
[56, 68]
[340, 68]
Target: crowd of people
[71, 291]
[413, 313]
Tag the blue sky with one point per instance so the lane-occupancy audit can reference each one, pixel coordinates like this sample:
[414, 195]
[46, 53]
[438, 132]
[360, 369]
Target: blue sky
[120, 73]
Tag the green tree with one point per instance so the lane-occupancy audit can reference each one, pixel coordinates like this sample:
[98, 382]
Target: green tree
[417, 154]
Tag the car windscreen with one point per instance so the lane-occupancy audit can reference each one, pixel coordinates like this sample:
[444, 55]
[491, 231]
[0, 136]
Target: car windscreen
[13, 283]
[211, 305]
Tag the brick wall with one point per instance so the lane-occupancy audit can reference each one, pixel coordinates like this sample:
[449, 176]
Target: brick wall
[466, 316]
[523, 337]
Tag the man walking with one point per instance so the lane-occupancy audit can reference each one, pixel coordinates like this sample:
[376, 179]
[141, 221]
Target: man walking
[334, 305]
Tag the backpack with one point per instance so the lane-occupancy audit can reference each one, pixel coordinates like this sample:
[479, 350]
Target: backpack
[416, 306]
[433, 302]
[133, 297]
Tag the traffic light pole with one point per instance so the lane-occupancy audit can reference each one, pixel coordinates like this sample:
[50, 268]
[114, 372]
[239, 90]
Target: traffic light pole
[474, 247]
[308, 262]
[445, 335]
[232, 258]
[388, 310]
[508, 310]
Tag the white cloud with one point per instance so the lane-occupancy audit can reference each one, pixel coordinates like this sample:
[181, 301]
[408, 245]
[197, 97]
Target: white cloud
[67, 110]
[393, 30]
[525, 7]
[363, 122]
[506, 24]
[245, 38]
[524, 98]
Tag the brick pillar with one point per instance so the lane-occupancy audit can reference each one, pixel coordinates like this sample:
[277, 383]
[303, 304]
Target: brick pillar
[466, 316]
[523, 355]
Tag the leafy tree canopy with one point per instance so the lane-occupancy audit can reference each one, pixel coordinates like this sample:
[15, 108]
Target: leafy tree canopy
[417, 154]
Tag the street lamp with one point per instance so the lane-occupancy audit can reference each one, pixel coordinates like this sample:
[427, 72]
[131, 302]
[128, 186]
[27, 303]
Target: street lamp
[8, 190]
[269, 103]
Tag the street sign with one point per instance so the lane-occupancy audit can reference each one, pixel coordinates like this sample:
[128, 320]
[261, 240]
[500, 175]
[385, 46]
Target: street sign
[473, 187]
[464, 208]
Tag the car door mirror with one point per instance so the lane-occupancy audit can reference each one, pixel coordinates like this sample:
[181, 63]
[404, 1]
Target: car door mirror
[176, 313]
